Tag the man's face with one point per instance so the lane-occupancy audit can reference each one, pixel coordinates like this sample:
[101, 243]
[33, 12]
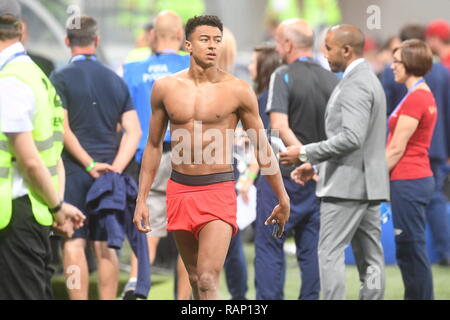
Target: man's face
[334, 53]
[282, 43]
[205, 45]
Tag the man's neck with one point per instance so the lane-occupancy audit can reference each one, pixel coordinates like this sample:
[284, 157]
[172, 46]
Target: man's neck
[83, 50]
[297, 54]
[349, 62]
[200, 74]
[7, 43]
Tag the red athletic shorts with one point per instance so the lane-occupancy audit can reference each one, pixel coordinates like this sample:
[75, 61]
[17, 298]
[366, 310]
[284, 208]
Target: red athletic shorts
[191, 207]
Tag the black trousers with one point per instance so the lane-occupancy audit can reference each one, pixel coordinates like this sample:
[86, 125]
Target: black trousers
[25, 256]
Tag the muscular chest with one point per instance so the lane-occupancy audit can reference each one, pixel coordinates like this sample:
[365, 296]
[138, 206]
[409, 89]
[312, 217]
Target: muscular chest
[209, 104]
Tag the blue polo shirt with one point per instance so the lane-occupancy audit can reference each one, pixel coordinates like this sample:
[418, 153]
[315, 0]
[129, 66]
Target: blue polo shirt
[140, 77]
[95, 98]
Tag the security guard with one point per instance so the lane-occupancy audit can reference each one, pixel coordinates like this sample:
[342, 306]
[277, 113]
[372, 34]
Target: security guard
[31, 122]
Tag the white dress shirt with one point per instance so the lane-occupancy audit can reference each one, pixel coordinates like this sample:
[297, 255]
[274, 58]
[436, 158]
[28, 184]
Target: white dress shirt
[352, 66]
[17, 108]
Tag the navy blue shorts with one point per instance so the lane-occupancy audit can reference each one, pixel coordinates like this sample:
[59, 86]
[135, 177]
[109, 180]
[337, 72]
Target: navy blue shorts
[78, 183]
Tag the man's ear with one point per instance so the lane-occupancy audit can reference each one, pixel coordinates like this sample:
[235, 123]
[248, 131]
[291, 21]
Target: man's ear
[23, 32]
[180, 35]
[96, 41]
[151, 36]
[347, 50]
[188, 46]
[289, 45]
[66, 41]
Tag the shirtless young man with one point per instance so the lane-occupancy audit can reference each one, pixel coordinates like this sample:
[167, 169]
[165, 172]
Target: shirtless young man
[201, 201]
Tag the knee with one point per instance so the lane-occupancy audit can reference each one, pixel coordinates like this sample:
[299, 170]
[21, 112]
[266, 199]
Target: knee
[207, 280]
[102, 251]
[193, 280]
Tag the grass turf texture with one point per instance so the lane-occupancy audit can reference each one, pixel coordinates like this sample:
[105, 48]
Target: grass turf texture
[162, 284]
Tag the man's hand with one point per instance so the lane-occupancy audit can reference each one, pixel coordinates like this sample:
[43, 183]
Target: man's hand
[100, 169]
[68, 219]
[142, 213]
[290, 157]
[115, 169]
[280, 215]
[66, 229]
[303, 174]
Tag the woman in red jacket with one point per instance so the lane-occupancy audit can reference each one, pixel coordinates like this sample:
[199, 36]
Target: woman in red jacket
[411, 127]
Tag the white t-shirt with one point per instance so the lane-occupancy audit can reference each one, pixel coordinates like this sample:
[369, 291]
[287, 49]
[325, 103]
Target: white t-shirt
[17, 108]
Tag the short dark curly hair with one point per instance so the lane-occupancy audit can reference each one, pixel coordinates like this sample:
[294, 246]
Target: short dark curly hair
[205, 20]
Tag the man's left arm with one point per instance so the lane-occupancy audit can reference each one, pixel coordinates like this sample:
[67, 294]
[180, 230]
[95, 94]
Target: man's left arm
[129, 142]
[355, 112]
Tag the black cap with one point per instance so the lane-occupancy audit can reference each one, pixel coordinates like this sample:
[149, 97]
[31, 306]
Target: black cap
[10, 7]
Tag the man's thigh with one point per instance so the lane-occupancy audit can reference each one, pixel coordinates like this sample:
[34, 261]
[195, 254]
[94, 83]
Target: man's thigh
[339, 220]
[214, 241]
[188, 248]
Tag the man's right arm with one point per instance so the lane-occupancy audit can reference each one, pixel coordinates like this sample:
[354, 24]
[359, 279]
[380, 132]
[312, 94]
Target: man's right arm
[17, 109]
[39, 180]
[356, 104]
[152, 153]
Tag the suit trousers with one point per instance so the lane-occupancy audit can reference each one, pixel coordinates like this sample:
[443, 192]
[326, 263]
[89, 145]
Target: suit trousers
[357, 222]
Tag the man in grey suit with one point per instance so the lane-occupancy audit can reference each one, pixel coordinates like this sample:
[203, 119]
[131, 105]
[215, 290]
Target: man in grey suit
[353, 174]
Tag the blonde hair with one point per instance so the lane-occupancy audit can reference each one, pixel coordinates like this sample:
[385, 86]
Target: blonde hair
[227, 58]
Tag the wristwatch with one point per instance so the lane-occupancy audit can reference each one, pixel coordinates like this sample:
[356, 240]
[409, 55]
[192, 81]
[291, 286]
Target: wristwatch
[302, 155]
[57, 208]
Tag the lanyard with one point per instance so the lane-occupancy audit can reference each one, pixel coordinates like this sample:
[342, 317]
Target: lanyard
[406, 96]
[165, 51]
[82, 57]
[304, 59]
[11, 58]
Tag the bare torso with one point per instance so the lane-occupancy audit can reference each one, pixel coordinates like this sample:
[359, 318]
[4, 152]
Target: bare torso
[205, 115]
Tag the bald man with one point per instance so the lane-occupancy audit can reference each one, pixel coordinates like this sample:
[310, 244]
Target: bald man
[353, 174]
[298, 95]
[167, 37]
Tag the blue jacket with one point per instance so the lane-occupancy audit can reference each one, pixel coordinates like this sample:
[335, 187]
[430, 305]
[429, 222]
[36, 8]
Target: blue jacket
[113, 197]
[439, 81]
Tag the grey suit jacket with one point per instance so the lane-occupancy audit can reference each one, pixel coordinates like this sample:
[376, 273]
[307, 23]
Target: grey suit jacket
[352, 160]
